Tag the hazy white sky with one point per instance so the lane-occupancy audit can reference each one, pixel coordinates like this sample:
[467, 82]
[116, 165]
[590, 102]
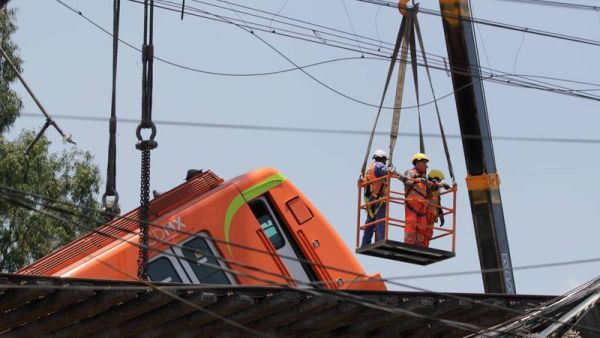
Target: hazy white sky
[549, 190]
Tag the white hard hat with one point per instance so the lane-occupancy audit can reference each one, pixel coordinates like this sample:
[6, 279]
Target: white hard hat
[379, 153]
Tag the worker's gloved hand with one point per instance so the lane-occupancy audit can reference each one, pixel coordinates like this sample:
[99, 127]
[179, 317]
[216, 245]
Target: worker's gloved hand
[446, 186]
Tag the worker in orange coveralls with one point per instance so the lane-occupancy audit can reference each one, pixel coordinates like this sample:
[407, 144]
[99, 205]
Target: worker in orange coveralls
[434, 204]
[415, 189]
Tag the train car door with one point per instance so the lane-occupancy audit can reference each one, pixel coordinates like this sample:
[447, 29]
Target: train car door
[279, 238]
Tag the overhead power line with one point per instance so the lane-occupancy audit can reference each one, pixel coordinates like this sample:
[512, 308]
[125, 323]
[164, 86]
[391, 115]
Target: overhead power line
[438, 62]
[491, 23]
[556, 4]
[478, 72]
[255, 127]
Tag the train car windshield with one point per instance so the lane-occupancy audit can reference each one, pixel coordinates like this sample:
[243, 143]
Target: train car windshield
[161, 270]
[203, 263]
[192, 262]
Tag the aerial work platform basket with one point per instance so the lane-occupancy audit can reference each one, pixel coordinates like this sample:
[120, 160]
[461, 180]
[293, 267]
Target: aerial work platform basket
[392, 245]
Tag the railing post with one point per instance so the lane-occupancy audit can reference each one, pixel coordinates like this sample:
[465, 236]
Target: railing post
[388, 182]
[358, 214]
[454, 219]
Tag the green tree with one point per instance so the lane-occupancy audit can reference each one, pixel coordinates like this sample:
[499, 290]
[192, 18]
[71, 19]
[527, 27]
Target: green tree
[70, 176]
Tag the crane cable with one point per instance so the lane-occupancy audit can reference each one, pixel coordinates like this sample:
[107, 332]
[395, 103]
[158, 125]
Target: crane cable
[399, 38]
[145, 146]
[437, 109]
[111, 169]
[398, 100]
[409, 33]
[413, 60]
[413, 34]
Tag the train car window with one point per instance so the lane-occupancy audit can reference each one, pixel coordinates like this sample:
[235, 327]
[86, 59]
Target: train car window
[267, 223]
[161, 270]
[199, 256]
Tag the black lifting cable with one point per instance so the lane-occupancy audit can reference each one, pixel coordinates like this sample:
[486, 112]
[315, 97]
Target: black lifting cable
[145, 146]
[412, 14]
[437, 109]
[113, 208]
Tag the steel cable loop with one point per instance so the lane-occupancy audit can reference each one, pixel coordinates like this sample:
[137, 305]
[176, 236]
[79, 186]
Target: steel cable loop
[387, 280]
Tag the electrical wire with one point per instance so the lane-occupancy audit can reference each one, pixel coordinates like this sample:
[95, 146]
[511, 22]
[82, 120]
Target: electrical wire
[442, 66]
[470, 70]
[319, 27]
[442, 59]
[269, 253]
[326, 131]
[278, 12]
[431, 56]
[493, 23]
[344, 296]
[197, 70]
[351, 25]
[556, 4]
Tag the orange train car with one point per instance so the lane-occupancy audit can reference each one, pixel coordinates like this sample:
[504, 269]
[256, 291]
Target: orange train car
[245, 231]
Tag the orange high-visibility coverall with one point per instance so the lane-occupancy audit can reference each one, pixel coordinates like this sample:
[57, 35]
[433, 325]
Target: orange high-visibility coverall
[433, 211]
[415, 208]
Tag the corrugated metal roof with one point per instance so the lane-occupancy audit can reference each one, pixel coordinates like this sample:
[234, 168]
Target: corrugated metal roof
[56, 307]
[159, 206]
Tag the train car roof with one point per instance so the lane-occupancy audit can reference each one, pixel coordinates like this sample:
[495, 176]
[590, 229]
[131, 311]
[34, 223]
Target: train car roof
[197, 183]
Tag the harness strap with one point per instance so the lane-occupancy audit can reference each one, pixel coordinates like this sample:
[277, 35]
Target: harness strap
[420, 214]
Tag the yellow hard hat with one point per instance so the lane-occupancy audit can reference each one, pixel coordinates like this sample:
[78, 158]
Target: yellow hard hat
[434, 173]
[419, 157]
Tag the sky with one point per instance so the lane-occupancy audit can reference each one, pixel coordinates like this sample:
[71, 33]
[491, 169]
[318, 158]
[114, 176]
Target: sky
[549, 190]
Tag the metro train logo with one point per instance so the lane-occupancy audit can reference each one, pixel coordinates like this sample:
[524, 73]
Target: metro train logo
[165, 233]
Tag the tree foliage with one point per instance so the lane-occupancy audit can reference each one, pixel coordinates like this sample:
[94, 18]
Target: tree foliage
[69, 176]
[10, 103]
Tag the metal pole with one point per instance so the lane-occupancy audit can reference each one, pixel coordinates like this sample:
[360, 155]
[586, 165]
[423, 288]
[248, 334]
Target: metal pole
[482, 181]
[49, 120]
